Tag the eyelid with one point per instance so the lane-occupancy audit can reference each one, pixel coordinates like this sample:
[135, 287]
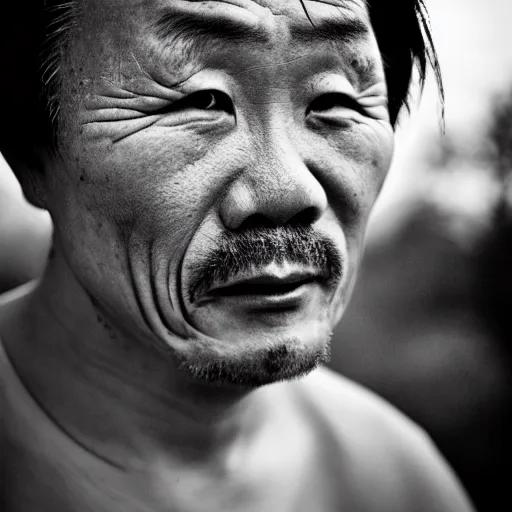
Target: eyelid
[221, 97]
[224, 102]
[344, 101]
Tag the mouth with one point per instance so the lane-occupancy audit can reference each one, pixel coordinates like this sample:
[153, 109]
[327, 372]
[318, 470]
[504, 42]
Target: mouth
[273, 289]
[266, 285]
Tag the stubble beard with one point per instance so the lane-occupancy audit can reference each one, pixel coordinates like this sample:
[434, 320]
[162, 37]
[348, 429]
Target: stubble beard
[283, 359]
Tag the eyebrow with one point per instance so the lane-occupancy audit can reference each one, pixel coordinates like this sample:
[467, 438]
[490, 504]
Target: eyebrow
[332, 30]
[204, 31]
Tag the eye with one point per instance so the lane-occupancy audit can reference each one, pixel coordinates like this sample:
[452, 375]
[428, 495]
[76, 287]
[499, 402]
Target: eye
[211, 100]
[200, 102]
[331, 101]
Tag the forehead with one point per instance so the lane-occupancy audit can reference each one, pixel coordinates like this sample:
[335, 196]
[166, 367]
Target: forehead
[270, 16]
[275, 6]
[119, 30]
[131, 41]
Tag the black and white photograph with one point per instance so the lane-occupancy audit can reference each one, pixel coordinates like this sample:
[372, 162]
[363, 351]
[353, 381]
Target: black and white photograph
[256, 256]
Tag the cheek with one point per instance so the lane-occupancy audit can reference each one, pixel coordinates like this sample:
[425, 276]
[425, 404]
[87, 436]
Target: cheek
[160, 188]
[136, 178]
[363, 158]
[128, 213]
[374, 169]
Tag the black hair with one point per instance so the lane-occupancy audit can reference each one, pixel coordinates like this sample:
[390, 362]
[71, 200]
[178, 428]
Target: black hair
[34, 40]
[402, 29]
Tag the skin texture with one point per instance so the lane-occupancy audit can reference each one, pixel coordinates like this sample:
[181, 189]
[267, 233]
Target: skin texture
[152, 185]
[141, 384]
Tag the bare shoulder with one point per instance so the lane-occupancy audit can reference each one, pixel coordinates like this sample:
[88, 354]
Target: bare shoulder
[12, 311]
[10, 298]
[349, 405]
[394, 458]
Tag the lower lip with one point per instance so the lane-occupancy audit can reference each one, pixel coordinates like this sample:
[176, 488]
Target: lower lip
[273, 301]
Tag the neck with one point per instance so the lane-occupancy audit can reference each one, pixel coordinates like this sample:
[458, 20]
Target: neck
[112, 393]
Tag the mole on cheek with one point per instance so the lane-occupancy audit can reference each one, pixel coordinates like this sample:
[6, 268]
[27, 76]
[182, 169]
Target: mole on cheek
[364, 67]
[106, 326]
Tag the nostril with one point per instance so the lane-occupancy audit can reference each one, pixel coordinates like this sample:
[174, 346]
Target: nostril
[256, 220]
[305, 217]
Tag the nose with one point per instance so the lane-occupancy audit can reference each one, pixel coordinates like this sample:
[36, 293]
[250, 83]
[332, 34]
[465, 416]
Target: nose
[278, 188]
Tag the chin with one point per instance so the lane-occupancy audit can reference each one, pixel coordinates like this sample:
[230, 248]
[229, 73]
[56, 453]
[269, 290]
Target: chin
[257, 359]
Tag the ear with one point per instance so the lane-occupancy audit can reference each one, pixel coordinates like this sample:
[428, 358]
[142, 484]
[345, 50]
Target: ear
[30, 169]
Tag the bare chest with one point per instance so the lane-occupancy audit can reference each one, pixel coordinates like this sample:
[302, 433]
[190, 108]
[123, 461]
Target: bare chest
[31, 485]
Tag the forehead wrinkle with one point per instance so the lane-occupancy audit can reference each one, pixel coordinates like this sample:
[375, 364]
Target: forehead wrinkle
[341, 3]
[186, 32]
[188, 38]
[200, 30]
[269, 3]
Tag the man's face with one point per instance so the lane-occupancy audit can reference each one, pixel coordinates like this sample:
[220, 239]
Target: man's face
[219, 163]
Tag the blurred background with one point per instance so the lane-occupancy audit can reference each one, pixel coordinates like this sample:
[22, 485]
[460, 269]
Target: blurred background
[430, 324]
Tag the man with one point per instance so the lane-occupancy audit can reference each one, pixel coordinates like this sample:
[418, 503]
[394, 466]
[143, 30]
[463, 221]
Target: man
[209, 168]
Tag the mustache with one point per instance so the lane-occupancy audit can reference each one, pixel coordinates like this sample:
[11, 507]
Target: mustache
[258, 247]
